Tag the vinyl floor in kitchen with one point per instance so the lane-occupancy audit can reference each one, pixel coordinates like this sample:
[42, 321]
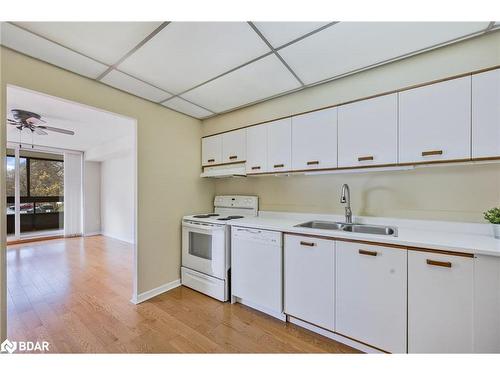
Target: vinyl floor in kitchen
[74, 293]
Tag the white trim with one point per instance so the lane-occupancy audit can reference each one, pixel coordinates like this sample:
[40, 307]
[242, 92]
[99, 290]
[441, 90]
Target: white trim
[90, 234]
[17, 194]
[331, 335]
[136, 217]
[156, 291]
[127, 240]
[35, 147]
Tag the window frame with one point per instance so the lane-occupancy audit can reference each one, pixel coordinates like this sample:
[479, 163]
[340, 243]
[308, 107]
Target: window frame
[34, 199]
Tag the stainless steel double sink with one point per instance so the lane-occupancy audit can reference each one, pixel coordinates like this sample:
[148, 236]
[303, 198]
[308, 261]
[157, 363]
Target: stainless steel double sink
[351, 227]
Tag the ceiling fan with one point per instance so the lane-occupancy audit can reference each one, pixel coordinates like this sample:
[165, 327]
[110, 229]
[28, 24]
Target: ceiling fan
[31, 121]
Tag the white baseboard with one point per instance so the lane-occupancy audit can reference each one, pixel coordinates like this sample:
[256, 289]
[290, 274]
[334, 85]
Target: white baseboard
[156, 291]
[90, 234]
[127, 240]
[331, 335]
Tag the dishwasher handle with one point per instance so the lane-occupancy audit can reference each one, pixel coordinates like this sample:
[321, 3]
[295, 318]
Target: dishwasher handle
[249, 230]
[257, 235]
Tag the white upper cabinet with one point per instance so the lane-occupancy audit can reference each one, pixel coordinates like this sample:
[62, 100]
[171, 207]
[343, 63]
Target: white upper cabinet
[257, 149]
[435, 122]
[234, 146]
[368, 132]
[279, 145]
[371, 294]
[211, 150]
[440, 303]
[486, 114]
[314, 140]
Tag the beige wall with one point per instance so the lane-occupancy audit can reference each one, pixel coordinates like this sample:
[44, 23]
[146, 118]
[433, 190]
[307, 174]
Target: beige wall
[459, 193]
[168, 162]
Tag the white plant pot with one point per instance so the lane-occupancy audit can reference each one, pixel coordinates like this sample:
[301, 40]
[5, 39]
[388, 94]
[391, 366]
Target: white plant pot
[496, 230]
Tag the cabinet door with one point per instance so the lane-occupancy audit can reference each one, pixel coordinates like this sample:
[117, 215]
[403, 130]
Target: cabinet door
[309, 280]
[211, 150]
[440, 301]
[256, 149]
[314, 140]
[279, 145]
[368, 132]
[434, 122]
[486, 114]
[371, 294]
[234, 146]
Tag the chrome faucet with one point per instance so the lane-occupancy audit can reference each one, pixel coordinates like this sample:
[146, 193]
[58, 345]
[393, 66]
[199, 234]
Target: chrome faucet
[345, 197]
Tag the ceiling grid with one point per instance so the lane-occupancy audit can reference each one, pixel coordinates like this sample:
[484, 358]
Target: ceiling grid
[207, 68]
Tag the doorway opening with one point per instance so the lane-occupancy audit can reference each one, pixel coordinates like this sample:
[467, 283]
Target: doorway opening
[76, 187]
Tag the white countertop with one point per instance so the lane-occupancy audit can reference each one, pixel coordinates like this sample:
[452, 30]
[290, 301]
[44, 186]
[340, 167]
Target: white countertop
[446, 236]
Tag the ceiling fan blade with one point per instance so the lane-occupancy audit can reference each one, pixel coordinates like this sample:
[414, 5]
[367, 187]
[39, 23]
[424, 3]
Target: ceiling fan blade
[13, 122]
[40, 131]
[57, 130]
[35, 120]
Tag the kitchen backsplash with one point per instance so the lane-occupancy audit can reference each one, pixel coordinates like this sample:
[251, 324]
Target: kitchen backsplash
[454, 193]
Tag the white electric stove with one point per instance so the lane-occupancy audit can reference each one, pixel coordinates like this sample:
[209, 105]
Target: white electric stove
[206, 244]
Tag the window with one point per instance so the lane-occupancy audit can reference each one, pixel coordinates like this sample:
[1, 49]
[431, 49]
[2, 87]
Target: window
[11, 175]
[41, 192]
[46, 178]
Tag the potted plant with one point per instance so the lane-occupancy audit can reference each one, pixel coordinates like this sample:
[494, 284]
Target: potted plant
[493, 216]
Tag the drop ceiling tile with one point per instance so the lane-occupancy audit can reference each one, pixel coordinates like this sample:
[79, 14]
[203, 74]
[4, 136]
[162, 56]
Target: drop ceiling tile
[186, 107]
[348, 46]
[185, 54]
[105, 41]
[32, 45]
[259, 80]
[279, 33]
[134, 86]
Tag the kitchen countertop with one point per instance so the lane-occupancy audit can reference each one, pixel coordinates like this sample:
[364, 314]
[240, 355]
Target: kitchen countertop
[468, 238]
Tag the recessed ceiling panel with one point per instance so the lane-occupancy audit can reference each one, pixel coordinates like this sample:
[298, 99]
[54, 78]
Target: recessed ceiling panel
[32, 45]
[105, 41]
[348, 46]
[279, 33]
[256, 81]
[127, 83]
[185, 54]
[184, 106]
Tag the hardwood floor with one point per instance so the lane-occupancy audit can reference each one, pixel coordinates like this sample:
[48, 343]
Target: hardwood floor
[74, 293]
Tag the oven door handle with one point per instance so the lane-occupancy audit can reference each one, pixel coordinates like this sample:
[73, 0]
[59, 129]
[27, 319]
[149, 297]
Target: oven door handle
[203, 227]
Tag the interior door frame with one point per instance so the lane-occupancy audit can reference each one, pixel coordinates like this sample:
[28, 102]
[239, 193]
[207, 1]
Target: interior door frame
[3, 262]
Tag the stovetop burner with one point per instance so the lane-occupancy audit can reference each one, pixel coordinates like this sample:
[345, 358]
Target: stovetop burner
[206, 216]
[231, 217]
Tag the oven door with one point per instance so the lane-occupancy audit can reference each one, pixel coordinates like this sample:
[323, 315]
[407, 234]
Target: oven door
[204, 248]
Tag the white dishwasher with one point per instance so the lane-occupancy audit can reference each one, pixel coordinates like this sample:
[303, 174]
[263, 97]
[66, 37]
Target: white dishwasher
[257, 270]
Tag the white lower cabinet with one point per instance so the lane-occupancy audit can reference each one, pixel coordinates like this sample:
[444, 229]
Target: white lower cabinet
[309, 267]
[440, 303]
[371, 295]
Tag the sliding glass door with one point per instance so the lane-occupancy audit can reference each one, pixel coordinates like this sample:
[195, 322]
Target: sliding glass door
[35, 193]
